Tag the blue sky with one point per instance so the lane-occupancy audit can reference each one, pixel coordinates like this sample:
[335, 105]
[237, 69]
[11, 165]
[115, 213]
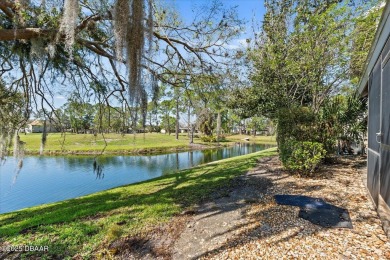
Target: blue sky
[247, 9]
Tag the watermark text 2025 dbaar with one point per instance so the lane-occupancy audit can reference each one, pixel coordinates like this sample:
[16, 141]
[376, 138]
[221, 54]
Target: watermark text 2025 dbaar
[24, 248]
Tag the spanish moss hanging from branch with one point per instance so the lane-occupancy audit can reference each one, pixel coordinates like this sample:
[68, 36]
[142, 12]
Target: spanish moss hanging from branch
[68, 24]
[121, 24]
[18, 150]
[4, 143]
[130, 30]
[37, 48]
[135, 49]
[150, 25]
[16, 144]
[155, 89]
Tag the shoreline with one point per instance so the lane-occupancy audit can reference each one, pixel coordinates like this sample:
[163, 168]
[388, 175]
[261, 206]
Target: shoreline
[139, 151]
[260, 153]
[91, 224]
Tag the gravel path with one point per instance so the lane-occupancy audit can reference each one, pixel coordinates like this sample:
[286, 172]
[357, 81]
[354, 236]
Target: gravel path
[248, 224]
[216, 222]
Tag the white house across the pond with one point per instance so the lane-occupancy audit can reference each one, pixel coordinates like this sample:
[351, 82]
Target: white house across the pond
[36, 126]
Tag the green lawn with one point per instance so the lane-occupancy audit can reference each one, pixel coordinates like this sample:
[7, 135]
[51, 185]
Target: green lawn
[87, 225]
[255, 139]
[117, 143]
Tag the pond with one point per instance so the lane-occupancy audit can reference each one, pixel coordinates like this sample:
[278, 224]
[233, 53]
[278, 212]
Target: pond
[45, 179]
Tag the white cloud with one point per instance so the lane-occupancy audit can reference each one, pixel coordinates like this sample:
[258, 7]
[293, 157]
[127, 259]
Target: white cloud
[231, 46]
[237, 44]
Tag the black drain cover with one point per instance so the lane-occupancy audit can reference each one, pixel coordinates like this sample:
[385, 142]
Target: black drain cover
[317, 211]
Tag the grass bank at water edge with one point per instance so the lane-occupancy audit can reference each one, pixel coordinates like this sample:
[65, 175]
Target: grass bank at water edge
[85, 226]
[124, 144]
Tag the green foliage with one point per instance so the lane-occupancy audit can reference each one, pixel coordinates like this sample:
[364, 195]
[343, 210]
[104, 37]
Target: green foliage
[168, 123]
[212, 139]
[299, 65]
[256, 123]
[109, 119]
[297, 129]
[166, 107]
[80, 115]
[206, 122]
[12, 110]
[302, 157]
[353, 119]
[208, 138]
[246, 102]
[342, 118]
[297, 123]
[363, 36]
[301, 59]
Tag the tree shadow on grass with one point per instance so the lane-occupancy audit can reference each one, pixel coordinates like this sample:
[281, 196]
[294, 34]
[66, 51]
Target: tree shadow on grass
[162, 197]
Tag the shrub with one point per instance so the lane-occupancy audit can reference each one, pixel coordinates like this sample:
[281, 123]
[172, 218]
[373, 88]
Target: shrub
[208, 138]
[302, 157]
[296, 123]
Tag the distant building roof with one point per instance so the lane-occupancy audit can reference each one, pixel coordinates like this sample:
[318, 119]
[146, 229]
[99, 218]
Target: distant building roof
[37, 122]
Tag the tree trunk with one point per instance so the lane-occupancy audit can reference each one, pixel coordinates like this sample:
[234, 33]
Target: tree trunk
[218, 126]
[43, 140]
[177, 119]
[189, 120]
[150, 122]
[192, 134]
[169, 126]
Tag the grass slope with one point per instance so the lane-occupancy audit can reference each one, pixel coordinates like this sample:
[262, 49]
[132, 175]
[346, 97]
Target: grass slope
[88, 142]
[86, 225]
[261, 139]
[117, 143]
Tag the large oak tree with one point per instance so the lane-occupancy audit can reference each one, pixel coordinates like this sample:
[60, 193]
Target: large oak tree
[108, 51]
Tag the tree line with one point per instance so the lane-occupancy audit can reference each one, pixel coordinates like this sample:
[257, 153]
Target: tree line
[169, 112]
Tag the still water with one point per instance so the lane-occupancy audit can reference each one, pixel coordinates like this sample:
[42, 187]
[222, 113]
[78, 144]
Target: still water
[45, 179]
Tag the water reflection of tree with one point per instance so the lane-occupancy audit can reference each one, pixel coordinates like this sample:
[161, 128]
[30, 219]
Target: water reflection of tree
[98, 170]
[191, 158]
[177, 161]
[17, 171]
[207, 155]
[155, 165]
